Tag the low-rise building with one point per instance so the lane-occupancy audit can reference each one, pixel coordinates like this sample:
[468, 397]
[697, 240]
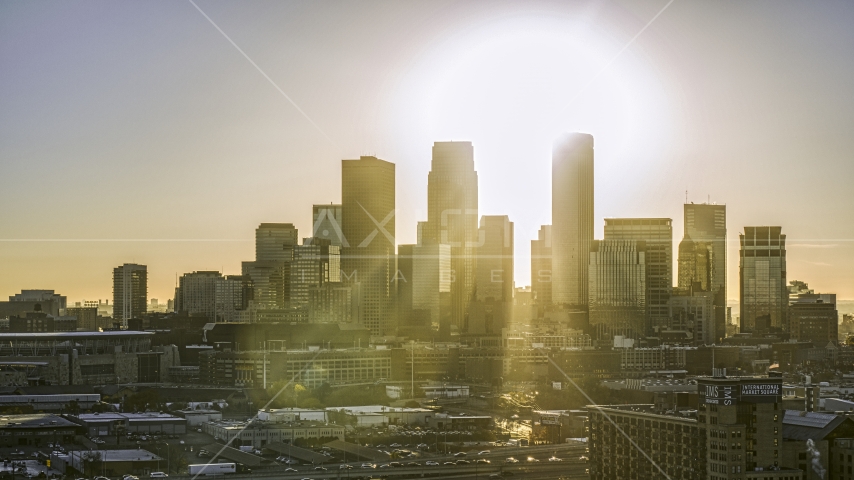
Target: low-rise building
[50, 403]
[114, 463]
[89, 358]
[36, 430]
[258, 434]
[368, 415]
[446, 421]
[446, 391]
[279, 415]
[197, 417]
[310, 368]
[808, 439]
[116, 423]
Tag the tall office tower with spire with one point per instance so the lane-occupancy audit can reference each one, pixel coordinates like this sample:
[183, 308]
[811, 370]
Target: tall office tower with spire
[572, 218]
[271, 271]
[705, 240]
[764, 293]
[368, 224]
[452, 219]
[657, 235]
[130, 292]
[541, 266]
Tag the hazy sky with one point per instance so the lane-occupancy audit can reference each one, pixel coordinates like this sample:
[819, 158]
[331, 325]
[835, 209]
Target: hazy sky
[139, 121]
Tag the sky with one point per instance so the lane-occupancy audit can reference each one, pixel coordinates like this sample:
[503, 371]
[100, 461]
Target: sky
[140, 132]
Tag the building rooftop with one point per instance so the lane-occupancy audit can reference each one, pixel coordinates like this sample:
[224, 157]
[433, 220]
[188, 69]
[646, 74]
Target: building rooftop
[133, 455]
[34, 420]
[798, 425]
[69, 335]
[647, 409]
[110, 416]
[239, 425]
[380, 409]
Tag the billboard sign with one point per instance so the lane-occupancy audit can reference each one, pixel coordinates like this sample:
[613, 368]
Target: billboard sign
[715, 393]
[549, 420]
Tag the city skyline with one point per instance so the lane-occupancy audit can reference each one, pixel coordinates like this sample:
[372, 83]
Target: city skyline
[722, 152]
[588, 239]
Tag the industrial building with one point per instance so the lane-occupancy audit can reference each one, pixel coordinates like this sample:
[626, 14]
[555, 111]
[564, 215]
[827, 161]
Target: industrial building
[88, 358]
[259, 434]
[36, 430]
[115, 423]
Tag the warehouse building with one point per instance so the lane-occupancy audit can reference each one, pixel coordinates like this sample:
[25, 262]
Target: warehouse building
[114, 423]
[259, 434]
[36, 430]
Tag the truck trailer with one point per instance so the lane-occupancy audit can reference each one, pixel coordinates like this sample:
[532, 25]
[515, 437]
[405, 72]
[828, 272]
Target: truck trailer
[212, 468]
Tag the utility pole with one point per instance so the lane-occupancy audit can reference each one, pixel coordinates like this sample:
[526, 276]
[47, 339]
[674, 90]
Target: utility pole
[412, 370]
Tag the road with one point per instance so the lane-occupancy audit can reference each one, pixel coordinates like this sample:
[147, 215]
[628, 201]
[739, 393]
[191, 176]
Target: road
[570, 467]
[543, 470]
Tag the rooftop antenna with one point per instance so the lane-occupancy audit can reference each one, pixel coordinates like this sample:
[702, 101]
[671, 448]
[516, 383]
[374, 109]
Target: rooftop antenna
[686, 196]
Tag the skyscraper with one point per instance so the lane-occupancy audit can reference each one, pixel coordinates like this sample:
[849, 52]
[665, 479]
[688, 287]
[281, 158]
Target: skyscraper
[541, 266]
[368, 224]
[696, 265]
[657, 235]
[270, 272]
[275, 242]
[130, 292]
[403, 284]
[494, 277]
[316, 262]
[764, 293]
[492, 308]
[813, 318]
[572, 217]
[452, 218]
[196, 294]
[432, 286]
[617, 303]
[327, 224]
[706, 223]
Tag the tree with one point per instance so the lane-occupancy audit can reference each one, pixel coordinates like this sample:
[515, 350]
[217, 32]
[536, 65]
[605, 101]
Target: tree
[141, 401]
[73, 407]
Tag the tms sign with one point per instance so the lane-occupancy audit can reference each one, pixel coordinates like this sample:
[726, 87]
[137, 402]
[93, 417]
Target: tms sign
[734, 393]
[719, 394]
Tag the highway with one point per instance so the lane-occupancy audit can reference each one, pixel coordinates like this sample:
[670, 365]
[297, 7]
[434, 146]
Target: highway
[570, 467]
[543, 470]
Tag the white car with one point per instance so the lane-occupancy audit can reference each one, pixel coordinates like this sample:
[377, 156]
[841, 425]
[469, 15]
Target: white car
[157, 475]
[555, 459]
[368, 465]
[431, 463]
